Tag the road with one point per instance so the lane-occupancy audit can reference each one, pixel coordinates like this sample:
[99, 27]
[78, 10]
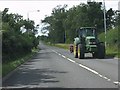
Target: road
[54, 67]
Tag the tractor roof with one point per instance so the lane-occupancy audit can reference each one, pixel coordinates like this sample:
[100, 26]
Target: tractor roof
[87, 27]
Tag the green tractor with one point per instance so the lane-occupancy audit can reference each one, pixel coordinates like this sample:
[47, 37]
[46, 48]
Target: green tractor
[87, 42]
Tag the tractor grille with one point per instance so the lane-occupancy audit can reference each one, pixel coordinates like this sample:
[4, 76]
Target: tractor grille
[92, 42]
[93, 49]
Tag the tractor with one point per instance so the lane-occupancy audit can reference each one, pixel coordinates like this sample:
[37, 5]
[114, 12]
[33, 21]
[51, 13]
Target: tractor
[86, 41]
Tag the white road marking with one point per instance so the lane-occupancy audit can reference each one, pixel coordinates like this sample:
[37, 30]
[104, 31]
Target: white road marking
[63, 56]
[105, 77]
[87, 68]
[116, 82]
[100, 75]
[71, 60]
[59, 54]
[109, 80]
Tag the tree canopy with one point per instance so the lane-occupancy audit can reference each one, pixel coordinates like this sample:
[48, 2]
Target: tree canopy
[15, 43]
[62, 23]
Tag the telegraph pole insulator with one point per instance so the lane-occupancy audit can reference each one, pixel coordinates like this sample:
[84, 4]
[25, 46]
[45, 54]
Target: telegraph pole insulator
[119, 5]
[88, 0]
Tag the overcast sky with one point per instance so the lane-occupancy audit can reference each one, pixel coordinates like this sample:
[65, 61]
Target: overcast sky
[45, 7]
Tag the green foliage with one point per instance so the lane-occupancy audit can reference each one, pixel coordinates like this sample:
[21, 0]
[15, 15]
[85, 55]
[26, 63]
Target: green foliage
[109, 17]
[44, 38]
[111, 37]
[56, 27]
[64, 46]
[113, 42]
[62, 23]
[15, 44]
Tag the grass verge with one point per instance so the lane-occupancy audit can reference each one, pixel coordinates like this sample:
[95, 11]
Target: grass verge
[10, 66]
[112, 51]
[64, 46]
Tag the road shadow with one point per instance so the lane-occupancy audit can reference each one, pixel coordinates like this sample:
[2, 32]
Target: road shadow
[109, 56]
[37, 58]
[92, 58]
[31, 76]
[42, 55]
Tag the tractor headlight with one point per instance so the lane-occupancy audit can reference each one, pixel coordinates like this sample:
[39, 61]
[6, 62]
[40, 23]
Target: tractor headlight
[92, 42]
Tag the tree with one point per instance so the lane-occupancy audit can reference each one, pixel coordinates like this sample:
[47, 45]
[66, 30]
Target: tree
[62, 24]
[109, 18]
[55, 21]
[15, 43]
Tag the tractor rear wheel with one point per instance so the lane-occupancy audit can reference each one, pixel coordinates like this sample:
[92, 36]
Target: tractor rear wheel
[101, 51]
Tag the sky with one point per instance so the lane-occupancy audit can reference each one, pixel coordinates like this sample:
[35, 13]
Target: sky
[45, 6]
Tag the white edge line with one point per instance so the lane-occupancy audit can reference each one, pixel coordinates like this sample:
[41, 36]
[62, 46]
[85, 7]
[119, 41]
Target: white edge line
[63, 56]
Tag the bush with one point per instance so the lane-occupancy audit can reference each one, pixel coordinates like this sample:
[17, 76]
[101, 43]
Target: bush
[16, 44]
[111, 37]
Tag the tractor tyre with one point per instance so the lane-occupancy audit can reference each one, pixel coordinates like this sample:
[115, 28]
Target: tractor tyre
[101, 51]
[80, 51]
[75, 51]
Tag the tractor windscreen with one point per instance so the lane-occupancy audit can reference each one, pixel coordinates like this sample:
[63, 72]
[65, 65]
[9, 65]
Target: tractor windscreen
[87, 32]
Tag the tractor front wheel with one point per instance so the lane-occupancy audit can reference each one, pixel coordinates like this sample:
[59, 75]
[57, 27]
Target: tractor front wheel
[75, 51]
[94, 55]
[80, 51]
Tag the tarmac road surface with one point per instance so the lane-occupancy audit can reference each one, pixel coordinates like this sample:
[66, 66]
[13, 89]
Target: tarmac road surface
[54, 67]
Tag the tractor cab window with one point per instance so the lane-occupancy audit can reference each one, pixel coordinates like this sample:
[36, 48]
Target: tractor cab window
[87, 32]
[84, 33]
[90, 32]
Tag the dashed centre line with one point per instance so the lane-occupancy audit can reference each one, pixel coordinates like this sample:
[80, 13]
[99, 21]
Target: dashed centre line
[87, 68]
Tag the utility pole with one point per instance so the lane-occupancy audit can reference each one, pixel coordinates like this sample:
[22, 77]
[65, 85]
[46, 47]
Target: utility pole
[105, 21]
[88, 0]
[119, 5]
[30, 12]
[28, 16]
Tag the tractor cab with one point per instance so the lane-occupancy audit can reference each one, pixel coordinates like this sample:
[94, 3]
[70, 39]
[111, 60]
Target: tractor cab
[87, 35]
[87, 31]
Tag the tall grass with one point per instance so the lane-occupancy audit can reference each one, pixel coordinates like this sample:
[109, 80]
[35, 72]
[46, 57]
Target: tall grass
[65, 46]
